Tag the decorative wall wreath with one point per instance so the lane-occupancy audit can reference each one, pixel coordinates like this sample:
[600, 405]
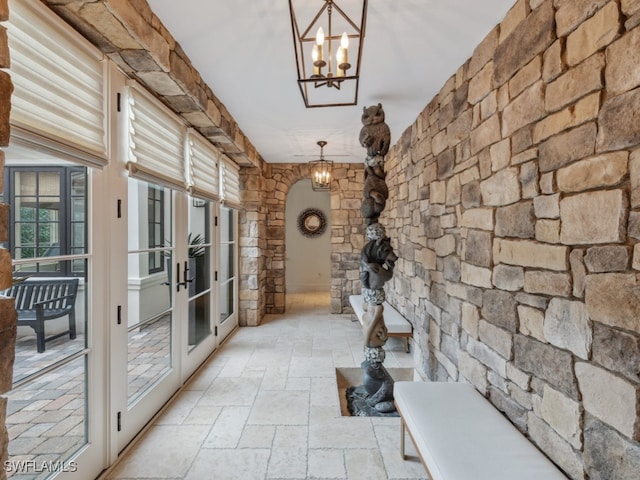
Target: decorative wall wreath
[312, 222]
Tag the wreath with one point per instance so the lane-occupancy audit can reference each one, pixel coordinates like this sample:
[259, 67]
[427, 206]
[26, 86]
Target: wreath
[312, 222]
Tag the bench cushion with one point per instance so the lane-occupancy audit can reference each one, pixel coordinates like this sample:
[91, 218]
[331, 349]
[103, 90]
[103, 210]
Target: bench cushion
[460, 435]
[395, 322]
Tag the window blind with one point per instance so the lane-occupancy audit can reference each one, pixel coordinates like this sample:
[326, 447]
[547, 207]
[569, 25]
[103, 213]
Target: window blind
[59, 100]
[202, 167]
[230, 183]
[155, 140]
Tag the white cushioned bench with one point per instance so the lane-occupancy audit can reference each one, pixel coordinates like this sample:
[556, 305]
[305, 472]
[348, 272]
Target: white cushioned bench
[397, 325]
[460, 435]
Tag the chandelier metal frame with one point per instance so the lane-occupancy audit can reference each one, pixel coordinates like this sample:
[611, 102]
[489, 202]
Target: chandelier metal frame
[321, 171]
[337, 73]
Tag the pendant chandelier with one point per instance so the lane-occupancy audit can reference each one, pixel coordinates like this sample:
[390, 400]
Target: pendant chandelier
[325, 45]
[321, 171]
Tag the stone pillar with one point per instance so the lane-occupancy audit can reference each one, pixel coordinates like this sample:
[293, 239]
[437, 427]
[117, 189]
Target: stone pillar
[7, 310]
[8, 332]
[252, 242]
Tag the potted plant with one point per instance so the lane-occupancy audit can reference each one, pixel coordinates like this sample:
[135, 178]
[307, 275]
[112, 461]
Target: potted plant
[196, 248]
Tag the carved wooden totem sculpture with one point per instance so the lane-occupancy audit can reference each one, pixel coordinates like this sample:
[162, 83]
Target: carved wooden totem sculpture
[375, 396]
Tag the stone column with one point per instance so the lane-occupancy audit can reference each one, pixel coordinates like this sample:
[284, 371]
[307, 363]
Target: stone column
[8, 332]
[8, 315]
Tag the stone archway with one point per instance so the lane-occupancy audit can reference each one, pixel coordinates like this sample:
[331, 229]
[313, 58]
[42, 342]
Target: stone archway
[346, 231]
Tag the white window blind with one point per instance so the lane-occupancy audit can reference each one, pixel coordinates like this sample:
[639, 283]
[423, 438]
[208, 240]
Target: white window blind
[155, 137]
[202, 167]
[230, 183]
[58, 103]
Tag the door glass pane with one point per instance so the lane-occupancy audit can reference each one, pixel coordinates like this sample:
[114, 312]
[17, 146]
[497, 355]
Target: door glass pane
[226, 300]
[47, 414]
[47, 422]
[227, 263]
[199, 271]
[151, 273]
[48, 212]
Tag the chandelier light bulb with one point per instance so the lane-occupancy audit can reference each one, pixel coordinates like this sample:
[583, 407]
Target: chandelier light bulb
[343, 55]
[344, 40]
[319, 45]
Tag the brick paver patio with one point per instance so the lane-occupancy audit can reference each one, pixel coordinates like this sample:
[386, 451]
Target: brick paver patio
[46, 416]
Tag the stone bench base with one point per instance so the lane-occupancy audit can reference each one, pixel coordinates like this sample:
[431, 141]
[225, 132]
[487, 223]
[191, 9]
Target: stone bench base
[460, 435]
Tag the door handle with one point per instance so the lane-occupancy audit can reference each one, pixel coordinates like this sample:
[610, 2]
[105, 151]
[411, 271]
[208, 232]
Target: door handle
[178, 282]
[186, 271]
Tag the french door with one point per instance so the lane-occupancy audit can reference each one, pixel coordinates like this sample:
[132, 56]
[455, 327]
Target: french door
[56, 408]
[165, 308]
[199, 329]
[143, 351]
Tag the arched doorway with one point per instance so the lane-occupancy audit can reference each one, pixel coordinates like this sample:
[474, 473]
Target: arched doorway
[307, 239]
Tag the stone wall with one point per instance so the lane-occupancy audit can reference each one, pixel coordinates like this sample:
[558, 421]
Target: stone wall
[252, 242]
[516, 213]
[8, 316]
[347, 231]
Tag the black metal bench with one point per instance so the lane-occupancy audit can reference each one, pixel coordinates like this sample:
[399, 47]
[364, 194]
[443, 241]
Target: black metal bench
[42, 299]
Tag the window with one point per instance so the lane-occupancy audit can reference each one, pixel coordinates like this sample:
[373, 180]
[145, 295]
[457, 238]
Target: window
[156, 227]
[48, 218]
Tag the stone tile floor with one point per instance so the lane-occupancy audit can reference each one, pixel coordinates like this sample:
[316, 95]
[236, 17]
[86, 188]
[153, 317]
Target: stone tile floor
[266, 406]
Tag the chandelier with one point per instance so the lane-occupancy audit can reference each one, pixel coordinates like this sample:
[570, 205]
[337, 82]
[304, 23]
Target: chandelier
[321, 171]
[332, 38]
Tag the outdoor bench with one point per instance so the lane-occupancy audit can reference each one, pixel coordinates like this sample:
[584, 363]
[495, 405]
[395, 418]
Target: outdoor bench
[460, 435]
[43, 299]
[397, 325]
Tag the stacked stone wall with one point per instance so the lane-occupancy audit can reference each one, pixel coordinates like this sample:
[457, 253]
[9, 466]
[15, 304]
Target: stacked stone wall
[347, 231]
[8, 315]
[516, 215]
[252, 242]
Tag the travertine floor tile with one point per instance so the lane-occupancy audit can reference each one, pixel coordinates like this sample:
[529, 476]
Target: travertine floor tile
[365, 464]
[326, 463]
[227, 428]
[229, 464]
[280, 408]
[163, 452]
[266, 406]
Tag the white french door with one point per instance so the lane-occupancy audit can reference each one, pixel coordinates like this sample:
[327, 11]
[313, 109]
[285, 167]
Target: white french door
[58, 393]
[198, 331]
[145, 301]
[165, 300]
[227, 320]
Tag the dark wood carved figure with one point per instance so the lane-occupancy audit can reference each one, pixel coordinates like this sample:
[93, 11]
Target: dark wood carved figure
[375, 135]
[375, 192]
[375, 396]
[379, 387]
[378, 261]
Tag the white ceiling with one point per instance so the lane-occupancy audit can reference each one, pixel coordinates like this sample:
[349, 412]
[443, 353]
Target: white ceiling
[243, 50]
